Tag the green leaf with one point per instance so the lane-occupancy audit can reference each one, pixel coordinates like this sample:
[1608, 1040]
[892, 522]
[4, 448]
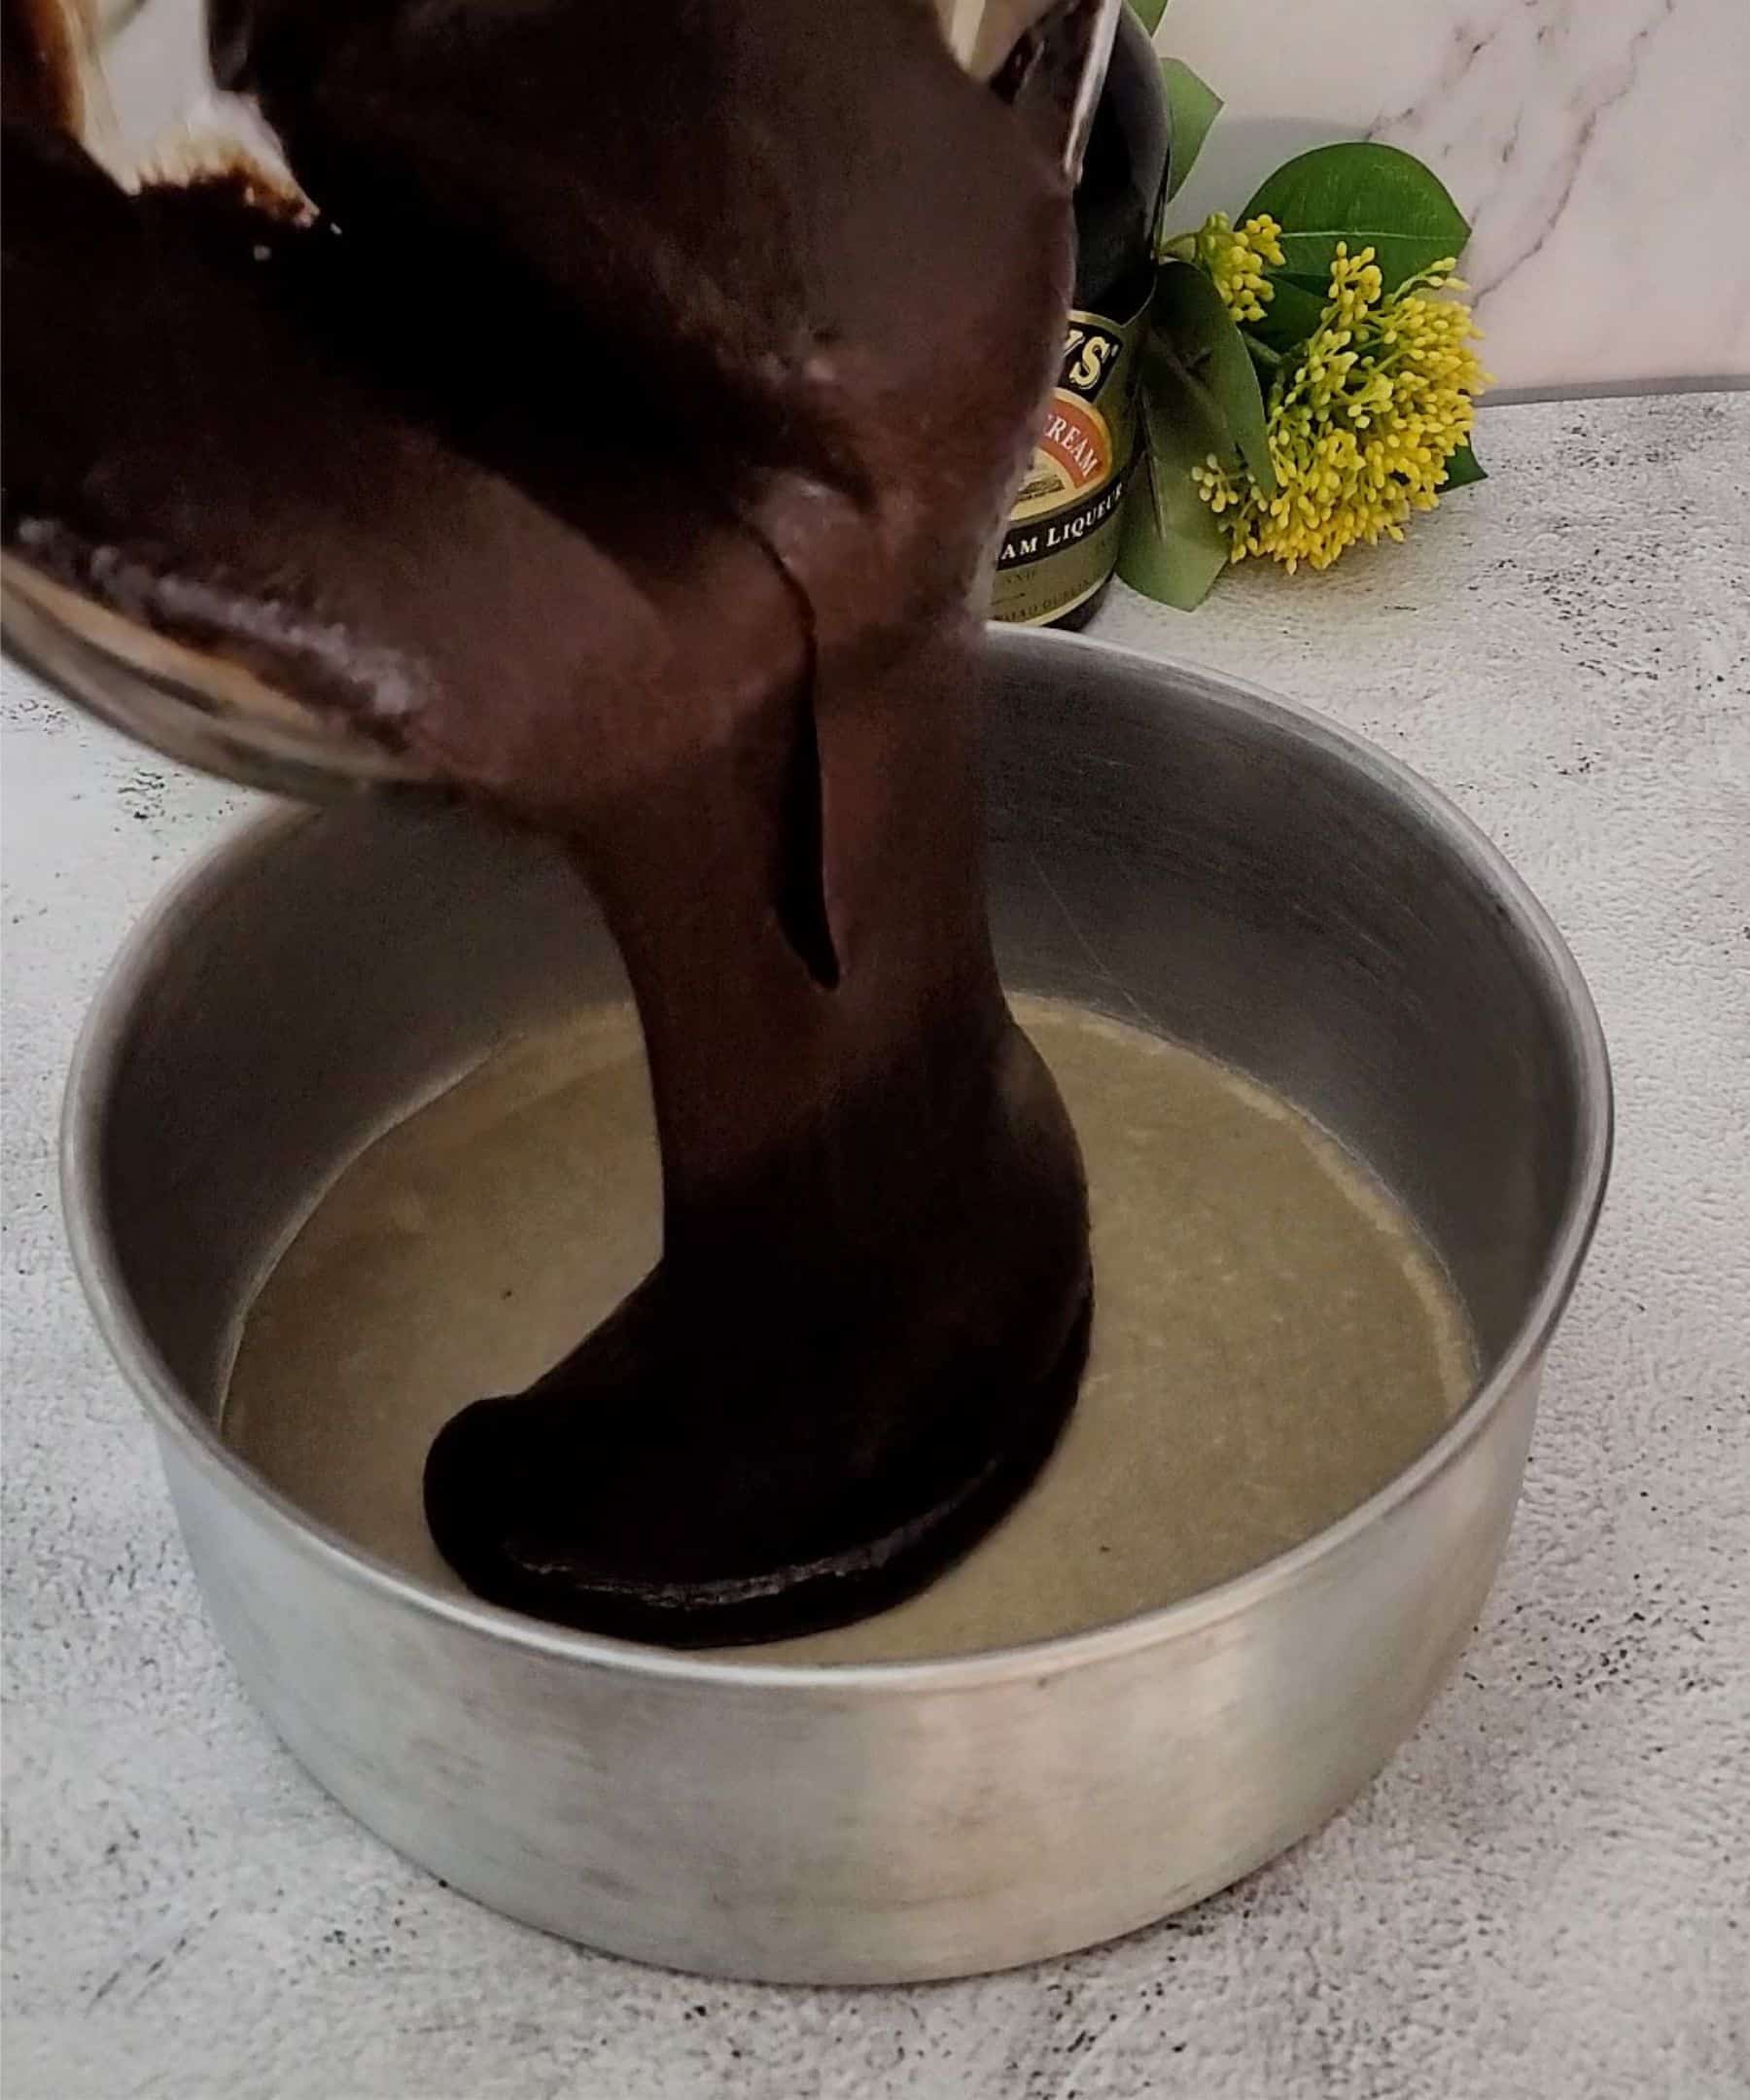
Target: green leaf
[1291, 314]
[1367, 194]
[1189, 318]
[1462, 469]
[1148, 12]
[1192, 107]
[1172, 548]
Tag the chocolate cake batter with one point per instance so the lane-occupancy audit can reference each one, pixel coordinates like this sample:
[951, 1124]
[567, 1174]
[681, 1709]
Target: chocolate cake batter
[624, 433]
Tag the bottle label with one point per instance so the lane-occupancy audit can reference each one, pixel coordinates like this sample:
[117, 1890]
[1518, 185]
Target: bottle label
[1062, 540]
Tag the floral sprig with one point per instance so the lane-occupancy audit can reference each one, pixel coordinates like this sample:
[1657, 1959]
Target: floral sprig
[1361, 426]
[1236, 260]
[1310, 378]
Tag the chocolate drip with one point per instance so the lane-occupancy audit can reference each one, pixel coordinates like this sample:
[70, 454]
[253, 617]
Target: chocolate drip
[627, 438]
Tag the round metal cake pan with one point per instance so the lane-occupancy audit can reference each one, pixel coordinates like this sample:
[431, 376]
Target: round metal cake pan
[1165, 845]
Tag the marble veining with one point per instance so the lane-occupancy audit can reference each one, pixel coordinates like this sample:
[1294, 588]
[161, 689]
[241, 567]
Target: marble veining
[1598, 146]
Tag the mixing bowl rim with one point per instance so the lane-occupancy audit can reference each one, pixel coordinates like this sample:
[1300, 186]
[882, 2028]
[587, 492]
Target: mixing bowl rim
[175, 1415]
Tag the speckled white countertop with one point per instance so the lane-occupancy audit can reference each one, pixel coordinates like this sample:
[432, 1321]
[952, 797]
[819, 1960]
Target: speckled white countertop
[1546, 1894]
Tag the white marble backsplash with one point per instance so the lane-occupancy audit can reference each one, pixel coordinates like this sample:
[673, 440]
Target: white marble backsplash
[1599, 148]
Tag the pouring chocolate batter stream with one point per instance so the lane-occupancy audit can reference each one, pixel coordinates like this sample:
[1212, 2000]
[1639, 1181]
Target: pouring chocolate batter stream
[624, 433]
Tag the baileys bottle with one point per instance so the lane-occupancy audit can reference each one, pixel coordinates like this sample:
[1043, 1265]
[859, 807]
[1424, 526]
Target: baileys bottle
[1060, 545]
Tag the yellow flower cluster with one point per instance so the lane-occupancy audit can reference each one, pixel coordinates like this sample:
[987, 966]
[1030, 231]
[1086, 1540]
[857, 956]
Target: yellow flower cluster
[1235, 260]
[1360, 429]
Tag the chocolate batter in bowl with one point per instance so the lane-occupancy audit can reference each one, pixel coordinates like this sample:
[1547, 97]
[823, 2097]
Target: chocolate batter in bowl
[618, 430]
